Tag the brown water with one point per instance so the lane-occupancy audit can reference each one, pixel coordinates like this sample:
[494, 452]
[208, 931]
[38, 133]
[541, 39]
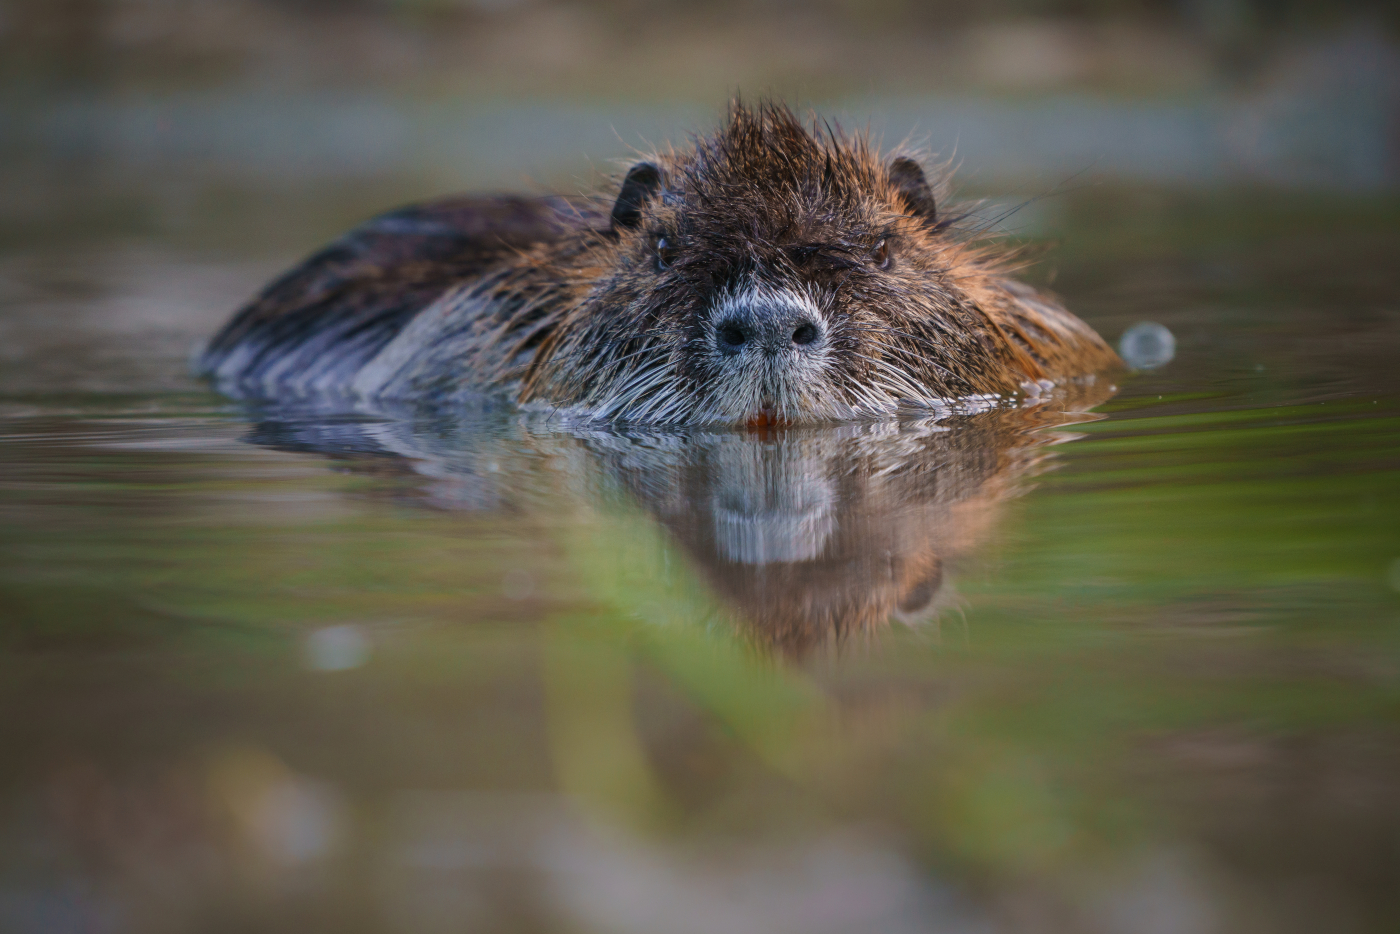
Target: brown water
[1137, 671]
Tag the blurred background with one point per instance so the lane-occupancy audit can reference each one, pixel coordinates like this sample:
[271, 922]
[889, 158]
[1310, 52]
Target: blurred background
[203, 105]
[264, 687]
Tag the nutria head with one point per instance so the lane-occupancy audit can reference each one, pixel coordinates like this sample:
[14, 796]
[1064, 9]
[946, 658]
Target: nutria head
[779, 273]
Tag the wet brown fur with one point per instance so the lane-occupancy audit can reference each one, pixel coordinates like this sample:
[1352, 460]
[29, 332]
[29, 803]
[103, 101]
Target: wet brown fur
[579, 316]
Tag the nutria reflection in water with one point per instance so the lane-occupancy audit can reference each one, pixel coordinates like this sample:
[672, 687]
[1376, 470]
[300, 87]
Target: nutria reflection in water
[809, 536]
[814, 537]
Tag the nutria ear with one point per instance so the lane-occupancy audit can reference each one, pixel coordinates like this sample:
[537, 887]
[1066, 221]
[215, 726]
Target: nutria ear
[920, 597]
[908, 179]
[642, 183]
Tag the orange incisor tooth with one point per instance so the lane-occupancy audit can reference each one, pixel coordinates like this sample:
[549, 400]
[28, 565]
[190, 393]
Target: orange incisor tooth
[763, 420]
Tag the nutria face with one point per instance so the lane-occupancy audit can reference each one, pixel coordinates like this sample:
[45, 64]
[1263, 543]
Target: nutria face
[785, 287]
[774, 274]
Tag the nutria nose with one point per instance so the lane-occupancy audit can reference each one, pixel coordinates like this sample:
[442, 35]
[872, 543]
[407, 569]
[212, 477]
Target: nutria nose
[773, 333]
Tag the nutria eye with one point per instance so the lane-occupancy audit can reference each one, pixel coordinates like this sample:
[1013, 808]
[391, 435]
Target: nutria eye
[665, 253]
[881, 255]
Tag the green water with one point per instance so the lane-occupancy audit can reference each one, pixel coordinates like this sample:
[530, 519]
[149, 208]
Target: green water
[1134, 671]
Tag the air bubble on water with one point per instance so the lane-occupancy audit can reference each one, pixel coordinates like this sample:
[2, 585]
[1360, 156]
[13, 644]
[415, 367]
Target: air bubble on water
[1146, 346]
[336, 648]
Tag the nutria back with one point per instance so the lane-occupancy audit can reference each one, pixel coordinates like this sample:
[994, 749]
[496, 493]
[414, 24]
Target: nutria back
[770, 273]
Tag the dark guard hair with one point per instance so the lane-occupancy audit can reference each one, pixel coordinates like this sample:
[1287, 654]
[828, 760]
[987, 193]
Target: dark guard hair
[770, 273]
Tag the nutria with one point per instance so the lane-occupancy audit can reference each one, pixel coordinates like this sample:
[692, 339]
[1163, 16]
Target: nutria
[770, 273]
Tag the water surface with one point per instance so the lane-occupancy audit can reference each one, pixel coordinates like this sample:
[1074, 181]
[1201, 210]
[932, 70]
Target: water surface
[1037, 669]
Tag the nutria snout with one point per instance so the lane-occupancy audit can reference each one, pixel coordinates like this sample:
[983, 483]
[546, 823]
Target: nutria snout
[770, 273]
[768, 343]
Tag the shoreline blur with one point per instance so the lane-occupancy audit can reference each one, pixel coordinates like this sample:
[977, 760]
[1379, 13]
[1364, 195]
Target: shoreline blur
[512, 94]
